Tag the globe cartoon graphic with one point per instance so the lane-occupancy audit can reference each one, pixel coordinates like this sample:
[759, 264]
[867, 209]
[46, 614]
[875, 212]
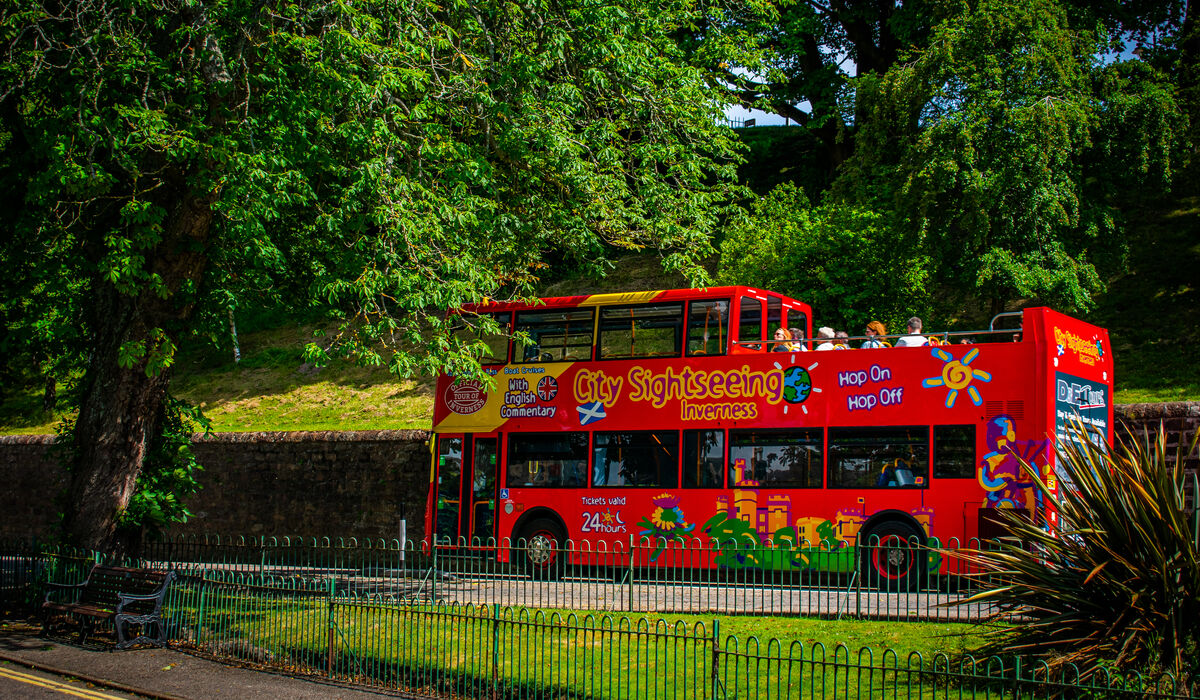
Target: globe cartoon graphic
[797, 385]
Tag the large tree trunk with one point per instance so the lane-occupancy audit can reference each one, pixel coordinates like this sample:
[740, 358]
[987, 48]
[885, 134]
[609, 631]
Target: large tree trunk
[120, 408]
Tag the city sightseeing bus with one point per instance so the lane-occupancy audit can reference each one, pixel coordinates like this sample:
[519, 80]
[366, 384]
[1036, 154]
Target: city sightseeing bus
[675, 416]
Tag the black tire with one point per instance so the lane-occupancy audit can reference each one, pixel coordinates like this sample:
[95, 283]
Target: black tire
[541, 553]
[891, 558]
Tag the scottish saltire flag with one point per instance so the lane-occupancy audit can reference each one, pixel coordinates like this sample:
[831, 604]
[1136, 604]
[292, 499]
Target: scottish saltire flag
[590, 412]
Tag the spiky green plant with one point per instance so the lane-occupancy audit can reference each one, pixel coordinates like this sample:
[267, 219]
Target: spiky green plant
[1116, 582]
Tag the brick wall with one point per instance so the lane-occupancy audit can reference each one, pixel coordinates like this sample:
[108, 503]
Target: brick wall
[328, 483]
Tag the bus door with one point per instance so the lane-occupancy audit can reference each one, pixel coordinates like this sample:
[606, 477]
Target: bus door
[483, 490]
[449, 484]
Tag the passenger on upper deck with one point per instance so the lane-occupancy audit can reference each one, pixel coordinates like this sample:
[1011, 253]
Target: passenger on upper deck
[783, 339]
[841, 340]
[876, 336]
[914, 337]
[798, 340]
[825, 335]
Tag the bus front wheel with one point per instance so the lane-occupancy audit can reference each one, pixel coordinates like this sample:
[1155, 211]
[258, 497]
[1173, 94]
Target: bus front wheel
[541, 542]
[891, 559]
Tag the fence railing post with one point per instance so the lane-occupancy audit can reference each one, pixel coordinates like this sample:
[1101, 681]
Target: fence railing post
[629, 577]
[330, 628]
[433, 571]
[716, 661]
[495, 651]
[200, 614]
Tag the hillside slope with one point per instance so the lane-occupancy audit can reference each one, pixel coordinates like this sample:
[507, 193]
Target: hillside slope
[1152, 312]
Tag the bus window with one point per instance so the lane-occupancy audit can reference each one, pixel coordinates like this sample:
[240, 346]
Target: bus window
[703, 459]
[776, 458]
[954, 451]
[649, 459]
[546, 459]
[646, 330]
[708, 327]
[495, 344]
[798, 320]
[864, 458]
[774, 314]
[561, 335]
[750, 327]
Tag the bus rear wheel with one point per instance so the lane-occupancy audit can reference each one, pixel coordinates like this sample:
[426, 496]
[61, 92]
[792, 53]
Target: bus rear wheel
[541, 542]
[892, 558]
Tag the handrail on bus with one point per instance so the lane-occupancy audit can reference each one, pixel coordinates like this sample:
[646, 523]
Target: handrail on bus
[1005, 314]
[940, 335]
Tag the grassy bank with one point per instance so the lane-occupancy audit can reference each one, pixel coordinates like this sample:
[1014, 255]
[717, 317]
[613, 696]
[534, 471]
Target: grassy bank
[1152, 312]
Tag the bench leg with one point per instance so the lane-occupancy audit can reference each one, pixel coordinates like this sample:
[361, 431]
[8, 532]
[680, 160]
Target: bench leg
[122, 627]
[157, 637]
[85, 629]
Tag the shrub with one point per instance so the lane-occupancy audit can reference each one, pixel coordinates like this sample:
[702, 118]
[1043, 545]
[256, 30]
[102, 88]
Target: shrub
[1116, 582]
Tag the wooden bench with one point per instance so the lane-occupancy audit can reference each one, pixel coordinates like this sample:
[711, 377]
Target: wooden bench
[125, 596]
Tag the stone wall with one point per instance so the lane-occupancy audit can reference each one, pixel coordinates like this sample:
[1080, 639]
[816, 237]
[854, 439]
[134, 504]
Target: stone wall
[344, 484]
[1181, 420]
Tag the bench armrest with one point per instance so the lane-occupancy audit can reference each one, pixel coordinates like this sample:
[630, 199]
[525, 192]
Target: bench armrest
[126, 598]
[51, 587]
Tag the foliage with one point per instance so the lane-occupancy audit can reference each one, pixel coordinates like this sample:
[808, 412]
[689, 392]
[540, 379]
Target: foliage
[849, 263]
[381, 160]
[170, 472]
[1117, 580]
[1001, 145]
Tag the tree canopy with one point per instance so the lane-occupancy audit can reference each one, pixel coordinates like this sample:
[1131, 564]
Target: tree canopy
[164, 159]
[1000, 149]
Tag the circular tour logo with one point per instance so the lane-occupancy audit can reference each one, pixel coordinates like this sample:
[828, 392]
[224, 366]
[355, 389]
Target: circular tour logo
[466, 397]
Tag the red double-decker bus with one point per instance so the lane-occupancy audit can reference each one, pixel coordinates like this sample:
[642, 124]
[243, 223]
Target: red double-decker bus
[676, 415]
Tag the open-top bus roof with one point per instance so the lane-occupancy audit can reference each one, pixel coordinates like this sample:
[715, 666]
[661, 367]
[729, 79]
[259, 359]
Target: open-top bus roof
[617, 298]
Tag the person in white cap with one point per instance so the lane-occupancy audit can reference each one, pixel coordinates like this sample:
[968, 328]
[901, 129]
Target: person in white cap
[825, 335]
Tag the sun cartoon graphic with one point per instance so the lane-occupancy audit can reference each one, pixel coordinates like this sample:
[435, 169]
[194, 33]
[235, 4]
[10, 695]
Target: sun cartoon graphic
[958, 375]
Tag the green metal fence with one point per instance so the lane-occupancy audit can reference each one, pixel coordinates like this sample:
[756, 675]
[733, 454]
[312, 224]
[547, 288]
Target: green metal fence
[361, 613]
[638, 576]
[499, 652]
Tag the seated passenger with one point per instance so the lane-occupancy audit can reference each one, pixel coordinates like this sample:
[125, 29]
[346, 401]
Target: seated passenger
[876, 336]
[825, 335]
[841, 340]
[783, 339]
[798, 340]
[914, 338]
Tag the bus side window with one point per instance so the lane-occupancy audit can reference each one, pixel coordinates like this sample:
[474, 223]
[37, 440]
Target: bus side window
[703, 459]
[560, 335]
[774, 316]
[750, 325]
[644, 330]
[776, 458]
[547, 459]
[707, 327]
[954, 452]
[645, 459]
[885, 457]
[798, 320]
[495, 345]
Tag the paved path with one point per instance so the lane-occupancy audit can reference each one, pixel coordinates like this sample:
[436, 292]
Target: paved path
[165, 674]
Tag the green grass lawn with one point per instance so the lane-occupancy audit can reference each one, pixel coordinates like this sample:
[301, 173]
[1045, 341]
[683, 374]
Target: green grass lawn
[559, 654]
